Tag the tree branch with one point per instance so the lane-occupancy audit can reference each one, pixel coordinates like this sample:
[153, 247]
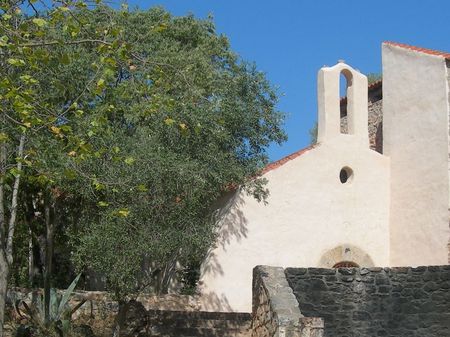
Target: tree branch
[52, 43]
[2, 193]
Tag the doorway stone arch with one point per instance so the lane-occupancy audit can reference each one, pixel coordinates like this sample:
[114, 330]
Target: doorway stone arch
[348, 253]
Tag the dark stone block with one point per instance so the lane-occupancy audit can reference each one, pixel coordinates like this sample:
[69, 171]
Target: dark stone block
[317, 284]
[375, 269]
[296, 271]
[361, 316]
[321, 271]
[419, 270]
[381, 279]
[430, 286]
[330, 279]
[428, 306]
[347, 271]
[364, 271]
[383, 290]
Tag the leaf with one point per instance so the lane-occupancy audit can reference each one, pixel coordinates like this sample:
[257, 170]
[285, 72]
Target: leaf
[79, 113]
[28, 79]
[169, 121]
[3, 41]
[123, 212]
[97, 185]
[129, 160]
[15, 172]
[70, 174]
[101, 83]
[161, 27]
[39, 22]
[3, 137]
[103, 204]
[142, 188]
[54, 312]
[55, 130]
[67, 294]
[65, 58]
[16, 62]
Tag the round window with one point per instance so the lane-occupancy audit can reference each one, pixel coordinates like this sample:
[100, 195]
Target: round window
[345, 175]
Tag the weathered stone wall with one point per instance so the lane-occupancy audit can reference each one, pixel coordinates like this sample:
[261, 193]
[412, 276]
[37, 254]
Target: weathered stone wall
[100, 310]
[375, 117]
[353, 302]
[276, 312]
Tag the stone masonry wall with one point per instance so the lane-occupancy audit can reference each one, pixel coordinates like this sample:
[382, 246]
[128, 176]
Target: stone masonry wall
[276, 312]
[370, 302]
[375, 117]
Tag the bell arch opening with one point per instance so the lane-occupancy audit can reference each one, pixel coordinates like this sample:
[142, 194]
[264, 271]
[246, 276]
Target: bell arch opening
[345, 82]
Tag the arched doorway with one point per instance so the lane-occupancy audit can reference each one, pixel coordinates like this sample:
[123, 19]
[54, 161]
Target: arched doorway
[345, 256]
[346, 264]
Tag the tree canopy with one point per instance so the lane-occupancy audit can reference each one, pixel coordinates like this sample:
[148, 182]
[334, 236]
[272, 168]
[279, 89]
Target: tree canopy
[124, 128]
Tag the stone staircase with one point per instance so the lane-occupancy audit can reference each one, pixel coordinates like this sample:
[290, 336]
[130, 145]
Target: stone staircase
[198, 324]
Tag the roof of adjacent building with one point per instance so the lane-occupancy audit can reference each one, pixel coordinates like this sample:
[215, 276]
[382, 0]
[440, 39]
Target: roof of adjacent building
[445, 55]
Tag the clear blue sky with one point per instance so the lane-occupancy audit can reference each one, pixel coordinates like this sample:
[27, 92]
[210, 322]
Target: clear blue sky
[291, 39]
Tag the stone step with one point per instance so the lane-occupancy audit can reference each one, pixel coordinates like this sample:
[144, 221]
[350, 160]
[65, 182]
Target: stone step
[199, 332]
[165, 323]
[235, 316]
[201, 323]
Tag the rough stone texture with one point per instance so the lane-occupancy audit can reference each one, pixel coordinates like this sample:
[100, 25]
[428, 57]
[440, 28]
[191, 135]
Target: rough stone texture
[100, 309]
[369, 302]
[276, 312]
[375, 117]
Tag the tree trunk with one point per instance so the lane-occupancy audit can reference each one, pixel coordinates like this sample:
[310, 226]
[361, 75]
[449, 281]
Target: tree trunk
[6, 237]
[120, 318]
[4, 273]
[50, 226]
[30, 259]
[4, 268]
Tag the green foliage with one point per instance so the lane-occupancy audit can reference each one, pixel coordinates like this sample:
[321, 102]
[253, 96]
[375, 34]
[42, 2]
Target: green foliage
[313, 134]
[373, 77]
[136, 123]
[60, 318]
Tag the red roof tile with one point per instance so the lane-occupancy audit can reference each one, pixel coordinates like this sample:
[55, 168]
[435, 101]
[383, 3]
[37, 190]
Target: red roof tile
[418, 49]
[276, 164]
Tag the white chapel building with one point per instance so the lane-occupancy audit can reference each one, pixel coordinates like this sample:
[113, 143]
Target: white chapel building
[340, 202]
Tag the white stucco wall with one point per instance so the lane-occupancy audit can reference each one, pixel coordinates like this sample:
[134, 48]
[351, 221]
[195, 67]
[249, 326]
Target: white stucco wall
[415, 137]
[309, 211]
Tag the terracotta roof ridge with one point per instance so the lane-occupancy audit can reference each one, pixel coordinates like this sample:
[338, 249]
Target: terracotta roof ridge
[446, 55]
[280, 162]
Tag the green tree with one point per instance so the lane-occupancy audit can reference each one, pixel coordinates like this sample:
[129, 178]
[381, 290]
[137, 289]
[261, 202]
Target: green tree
[125, 127]
[198, 124]
[53, 66]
